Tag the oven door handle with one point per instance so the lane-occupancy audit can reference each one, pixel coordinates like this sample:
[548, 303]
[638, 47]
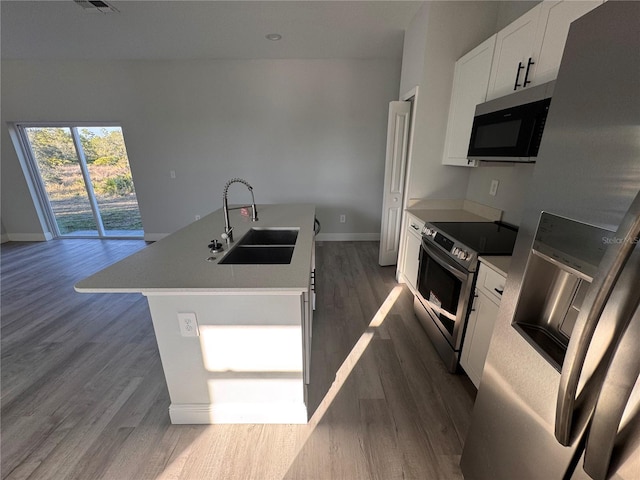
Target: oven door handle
[444, 262]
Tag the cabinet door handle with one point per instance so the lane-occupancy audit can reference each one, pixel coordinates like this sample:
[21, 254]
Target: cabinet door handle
[520, 67]
[473, 302]
[498, 291]
[526, 74]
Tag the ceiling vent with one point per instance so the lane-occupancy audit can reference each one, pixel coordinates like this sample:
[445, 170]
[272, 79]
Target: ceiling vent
[96, 6]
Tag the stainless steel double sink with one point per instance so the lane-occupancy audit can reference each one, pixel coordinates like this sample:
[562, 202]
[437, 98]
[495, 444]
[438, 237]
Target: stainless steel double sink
[263, 246]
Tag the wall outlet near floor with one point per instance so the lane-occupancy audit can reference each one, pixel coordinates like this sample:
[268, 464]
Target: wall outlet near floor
[188, 324]
[494, 188]
[343, 218]
[197, 217]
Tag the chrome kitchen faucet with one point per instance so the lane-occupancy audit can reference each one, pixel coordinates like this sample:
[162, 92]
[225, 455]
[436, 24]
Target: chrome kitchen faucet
[228, 234]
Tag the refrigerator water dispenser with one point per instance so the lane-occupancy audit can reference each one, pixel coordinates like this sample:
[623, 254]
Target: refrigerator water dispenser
[564, 257]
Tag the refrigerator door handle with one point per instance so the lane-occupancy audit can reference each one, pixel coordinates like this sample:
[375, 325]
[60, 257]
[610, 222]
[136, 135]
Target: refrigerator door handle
[594, 303]
[615, 394]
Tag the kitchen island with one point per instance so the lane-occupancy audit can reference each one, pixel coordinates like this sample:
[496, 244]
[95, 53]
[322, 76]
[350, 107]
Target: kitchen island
[234, 339]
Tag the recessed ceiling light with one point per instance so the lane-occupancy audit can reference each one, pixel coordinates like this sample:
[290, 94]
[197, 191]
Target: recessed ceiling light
[273, 36]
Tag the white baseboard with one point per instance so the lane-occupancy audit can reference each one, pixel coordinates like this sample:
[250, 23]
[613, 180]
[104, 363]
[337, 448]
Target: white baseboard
[28, 237]
[348, 237]
[225, 413]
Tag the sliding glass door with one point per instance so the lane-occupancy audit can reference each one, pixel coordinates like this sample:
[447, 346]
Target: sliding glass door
[84, 180]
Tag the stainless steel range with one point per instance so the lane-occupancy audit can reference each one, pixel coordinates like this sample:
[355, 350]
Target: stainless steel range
[446, 278]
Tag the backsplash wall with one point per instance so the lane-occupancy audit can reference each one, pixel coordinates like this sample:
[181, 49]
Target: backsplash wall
[512, 191]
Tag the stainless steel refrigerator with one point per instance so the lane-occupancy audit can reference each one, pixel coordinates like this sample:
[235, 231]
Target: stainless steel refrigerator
[560, 397]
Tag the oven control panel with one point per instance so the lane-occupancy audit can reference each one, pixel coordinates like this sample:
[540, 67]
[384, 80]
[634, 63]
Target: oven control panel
[456, 250]
[444, 242]
[460, 253]
[428, 232]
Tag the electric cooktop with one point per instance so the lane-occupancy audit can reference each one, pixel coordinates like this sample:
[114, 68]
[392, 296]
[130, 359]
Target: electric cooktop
[486, 238]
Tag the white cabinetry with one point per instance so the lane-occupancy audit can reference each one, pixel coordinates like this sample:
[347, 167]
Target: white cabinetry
[412, 245]
[486, 304]
[307, 320]
[528, 51]
[514, 46]
[470, 82]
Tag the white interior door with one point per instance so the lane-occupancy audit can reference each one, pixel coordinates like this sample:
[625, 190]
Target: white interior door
[395, 170]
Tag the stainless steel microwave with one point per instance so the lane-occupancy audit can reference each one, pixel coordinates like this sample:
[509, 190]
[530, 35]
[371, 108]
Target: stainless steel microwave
[510, 128]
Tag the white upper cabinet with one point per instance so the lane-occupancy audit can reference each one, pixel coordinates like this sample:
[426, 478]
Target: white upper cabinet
[528, 51]
[514, 45]
[470, 81]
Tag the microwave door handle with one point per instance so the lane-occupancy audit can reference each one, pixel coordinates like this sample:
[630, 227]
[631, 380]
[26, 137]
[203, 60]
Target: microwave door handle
[441, 260]
[594, 303]
[614, 396]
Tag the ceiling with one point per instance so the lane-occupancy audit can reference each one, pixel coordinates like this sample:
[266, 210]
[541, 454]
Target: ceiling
[179, 29]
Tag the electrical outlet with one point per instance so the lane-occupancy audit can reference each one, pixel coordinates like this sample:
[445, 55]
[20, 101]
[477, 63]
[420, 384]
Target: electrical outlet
[188, 324]
[172, 174]
[343, 218]
[197, 217]
[494, 188]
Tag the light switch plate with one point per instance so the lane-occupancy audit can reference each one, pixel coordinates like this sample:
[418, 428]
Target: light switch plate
[494, 188]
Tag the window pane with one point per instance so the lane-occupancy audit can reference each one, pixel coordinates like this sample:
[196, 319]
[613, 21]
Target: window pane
[108, 166]
[57, 161]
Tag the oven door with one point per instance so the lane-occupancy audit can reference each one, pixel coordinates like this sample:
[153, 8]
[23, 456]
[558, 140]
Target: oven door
[444, 289]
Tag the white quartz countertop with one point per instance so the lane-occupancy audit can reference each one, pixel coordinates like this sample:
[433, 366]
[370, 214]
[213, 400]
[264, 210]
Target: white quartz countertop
[178, 262]
[499, 263]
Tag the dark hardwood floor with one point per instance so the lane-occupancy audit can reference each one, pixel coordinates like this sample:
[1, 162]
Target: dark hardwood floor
[83, 393]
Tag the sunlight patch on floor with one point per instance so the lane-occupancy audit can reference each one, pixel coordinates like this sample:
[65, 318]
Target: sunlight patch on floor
[352, 359]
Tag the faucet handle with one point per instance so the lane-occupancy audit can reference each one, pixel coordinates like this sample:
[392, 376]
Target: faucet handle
[227, 234]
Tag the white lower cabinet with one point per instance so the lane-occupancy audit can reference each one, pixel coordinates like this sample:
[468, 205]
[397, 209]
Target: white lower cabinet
[412, 245]
[486, 304]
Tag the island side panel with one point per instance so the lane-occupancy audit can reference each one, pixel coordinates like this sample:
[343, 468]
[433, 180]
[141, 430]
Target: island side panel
[246, 364]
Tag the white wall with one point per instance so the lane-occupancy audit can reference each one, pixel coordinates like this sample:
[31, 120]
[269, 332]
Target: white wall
[298, 130]
[440, 33]
[3, 233]
[513, 186]
[509, 11]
